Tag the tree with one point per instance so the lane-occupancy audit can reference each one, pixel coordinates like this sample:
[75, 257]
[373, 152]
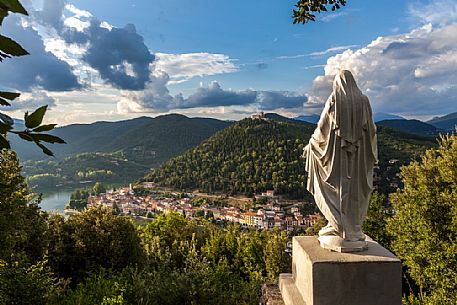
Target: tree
[92, 239]
[306, 9]
[22, 224]
[99, 188]
[376, 220]
[33, 122]
[424, 227]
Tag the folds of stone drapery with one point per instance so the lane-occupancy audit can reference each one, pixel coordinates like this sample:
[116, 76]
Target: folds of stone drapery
[340, 173]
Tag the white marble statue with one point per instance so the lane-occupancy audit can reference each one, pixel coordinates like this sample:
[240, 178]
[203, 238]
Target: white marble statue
[339, 160]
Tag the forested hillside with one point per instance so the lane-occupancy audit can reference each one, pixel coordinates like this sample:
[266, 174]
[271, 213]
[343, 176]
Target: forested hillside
[154, 139]
[114, 151]
[255, 155]
[412, 126]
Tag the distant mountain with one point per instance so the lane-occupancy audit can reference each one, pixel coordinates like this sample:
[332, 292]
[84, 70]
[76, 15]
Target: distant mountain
[153, 139]
[113, 151]
[381, 116]
[252, 156]
[447, 122]
[313, 118]
[412, 126]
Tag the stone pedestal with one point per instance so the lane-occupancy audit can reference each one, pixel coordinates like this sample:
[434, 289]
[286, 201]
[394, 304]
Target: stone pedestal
[323, 277]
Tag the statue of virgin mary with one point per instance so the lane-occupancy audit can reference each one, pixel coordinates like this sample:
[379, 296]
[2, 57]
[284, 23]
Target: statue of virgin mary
[339, 160]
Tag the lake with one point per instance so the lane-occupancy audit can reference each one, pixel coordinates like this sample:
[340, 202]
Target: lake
[55, 200]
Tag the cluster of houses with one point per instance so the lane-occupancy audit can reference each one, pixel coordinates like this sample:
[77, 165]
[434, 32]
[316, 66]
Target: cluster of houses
[266, 216]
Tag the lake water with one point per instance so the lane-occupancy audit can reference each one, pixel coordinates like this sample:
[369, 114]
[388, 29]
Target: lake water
[56, 200]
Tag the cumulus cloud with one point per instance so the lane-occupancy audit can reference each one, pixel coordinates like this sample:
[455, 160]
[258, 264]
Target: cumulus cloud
[214, 95]
[270, 100]
[182, 67]
[40, 69]
[119, 55]
[413, 73]
[158, 99]
[31, 101]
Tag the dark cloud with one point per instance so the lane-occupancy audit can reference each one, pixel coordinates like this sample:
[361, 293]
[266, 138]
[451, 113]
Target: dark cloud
[270, 100]
[118, 54]
[40, 68]
[214, 95]
[158, 99]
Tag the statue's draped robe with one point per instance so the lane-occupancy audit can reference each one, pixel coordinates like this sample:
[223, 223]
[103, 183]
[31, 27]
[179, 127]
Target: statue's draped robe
[340, 158]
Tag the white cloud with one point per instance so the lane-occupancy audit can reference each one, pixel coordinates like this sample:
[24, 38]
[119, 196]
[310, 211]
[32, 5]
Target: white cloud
[333, 50]
[76, 23]
[413, 73]
[182, 67]
[78, 13]
[30, 101]
[319, 53]
[330, 16]
[437, 12]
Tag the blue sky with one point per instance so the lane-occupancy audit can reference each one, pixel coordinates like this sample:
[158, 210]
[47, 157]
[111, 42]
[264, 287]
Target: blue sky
[112, 59]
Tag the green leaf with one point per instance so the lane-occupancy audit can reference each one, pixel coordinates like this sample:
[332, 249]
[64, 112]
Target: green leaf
[4, 102]
[45, 128]
[9, 46]
[45, 149]
[4, 142]
[6, 119]
[5, 127]
[9, 95]
[35, 119]
[14, 6]
[26, 136]
[3, 14]
[47, 138]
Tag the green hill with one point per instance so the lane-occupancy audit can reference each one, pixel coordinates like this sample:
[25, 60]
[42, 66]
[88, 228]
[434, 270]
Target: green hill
[248, 157]
[412, 126]
[447, 122]
[153, 139]
[252, 156]
[114, 151]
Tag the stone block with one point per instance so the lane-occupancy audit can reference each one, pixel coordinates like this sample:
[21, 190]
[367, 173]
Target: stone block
[323, 277]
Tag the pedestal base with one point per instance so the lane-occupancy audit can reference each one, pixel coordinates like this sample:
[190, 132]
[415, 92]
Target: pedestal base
[323, 277]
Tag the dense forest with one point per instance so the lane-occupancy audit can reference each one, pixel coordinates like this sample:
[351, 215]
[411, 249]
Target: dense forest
[253, 156]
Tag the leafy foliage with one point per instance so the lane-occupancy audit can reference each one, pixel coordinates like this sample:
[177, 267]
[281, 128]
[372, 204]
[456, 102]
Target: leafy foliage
[92, 239]
[376, 220]
[24, 285]
[306, 9]
[22, 225]
[424, 228]
[9, 48]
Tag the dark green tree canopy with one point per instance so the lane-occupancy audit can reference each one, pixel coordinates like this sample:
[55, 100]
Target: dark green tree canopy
[306, 9]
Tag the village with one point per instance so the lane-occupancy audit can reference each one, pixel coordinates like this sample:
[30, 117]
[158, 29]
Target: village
[264, 211]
